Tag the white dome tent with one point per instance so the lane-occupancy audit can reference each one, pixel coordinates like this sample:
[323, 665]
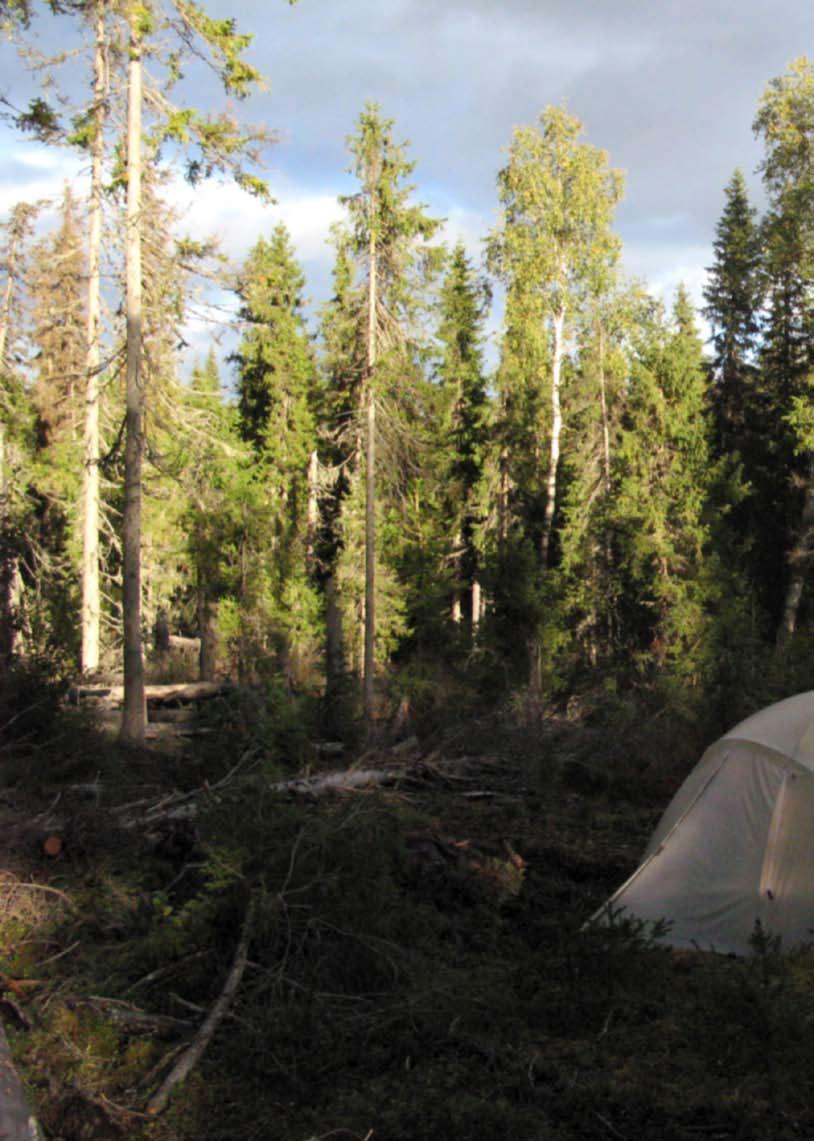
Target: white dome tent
[736, 843]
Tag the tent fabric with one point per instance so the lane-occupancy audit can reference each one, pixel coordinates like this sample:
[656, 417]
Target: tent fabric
[736, 843]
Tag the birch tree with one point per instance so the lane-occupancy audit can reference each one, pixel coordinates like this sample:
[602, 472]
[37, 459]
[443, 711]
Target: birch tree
[554, 246]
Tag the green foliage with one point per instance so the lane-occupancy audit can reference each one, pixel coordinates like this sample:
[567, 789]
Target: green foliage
[733, 295]
[558, 196]
[662, 510]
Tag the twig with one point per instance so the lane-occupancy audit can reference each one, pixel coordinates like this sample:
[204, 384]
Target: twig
[191, 1056]
[611, 1128]
[59, 955]
[161, 971]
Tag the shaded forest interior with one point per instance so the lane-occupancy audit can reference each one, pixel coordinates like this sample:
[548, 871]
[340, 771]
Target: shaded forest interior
[417, 964]
[428, 644]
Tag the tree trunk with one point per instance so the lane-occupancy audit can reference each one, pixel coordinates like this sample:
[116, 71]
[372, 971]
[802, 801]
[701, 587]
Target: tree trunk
[556, 431]
[7, 567]
[208, 634]
[799, 560]
[369, 666]
[477, 603]
[90, 489]
[134, 713]
[312, 518]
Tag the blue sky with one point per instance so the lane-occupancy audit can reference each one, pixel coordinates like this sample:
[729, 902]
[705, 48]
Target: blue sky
[669, 89]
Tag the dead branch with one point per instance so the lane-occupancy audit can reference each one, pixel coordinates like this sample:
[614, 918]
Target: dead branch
[190, 1058]
[132, 1020]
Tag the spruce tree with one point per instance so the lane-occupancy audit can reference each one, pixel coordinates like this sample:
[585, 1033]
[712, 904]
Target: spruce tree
[277, 400]
[733, 295]
[275, 363]
[662, 508]
[463, 426]
[389, 235]
[58, 320]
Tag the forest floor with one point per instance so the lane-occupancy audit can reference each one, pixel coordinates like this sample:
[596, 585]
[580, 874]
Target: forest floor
[415, 964]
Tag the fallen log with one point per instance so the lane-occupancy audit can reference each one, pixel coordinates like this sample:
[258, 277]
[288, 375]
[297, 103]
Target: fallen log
[190, 647]
[17, 1123]
[113, 695]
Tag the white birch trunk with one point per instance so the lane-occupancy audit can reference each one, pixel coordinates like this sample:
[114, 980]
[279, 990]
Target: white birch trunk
[556, 431]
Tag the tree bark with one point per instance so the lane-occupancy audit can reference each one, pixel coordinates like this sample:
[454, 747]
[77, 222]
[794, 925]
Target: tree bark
[369, 666]
[7, 567]
[312, 519]
[208, 634]
[90, 488]
[134, 713]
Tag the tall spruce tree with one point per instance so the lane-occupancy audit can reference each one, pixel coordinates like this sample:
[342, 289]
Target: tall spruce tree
[388, 235]
[277, 401]
[662, 510]
[733, 294]
[464, 427]
[58, 298]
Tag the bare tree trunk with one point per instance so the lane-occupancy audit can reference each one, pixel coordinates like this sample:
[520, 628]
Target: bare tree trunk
[208, 634]
[556, 431]
[312, 518]
[799, 560]
[369, 667]
[456, 612]
[134, 713]
[90, 489]
[7, 567]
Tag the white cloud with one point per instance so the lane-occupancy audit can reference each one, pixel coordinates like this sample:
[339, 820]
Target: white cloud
[238, 219]
[38, 173]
